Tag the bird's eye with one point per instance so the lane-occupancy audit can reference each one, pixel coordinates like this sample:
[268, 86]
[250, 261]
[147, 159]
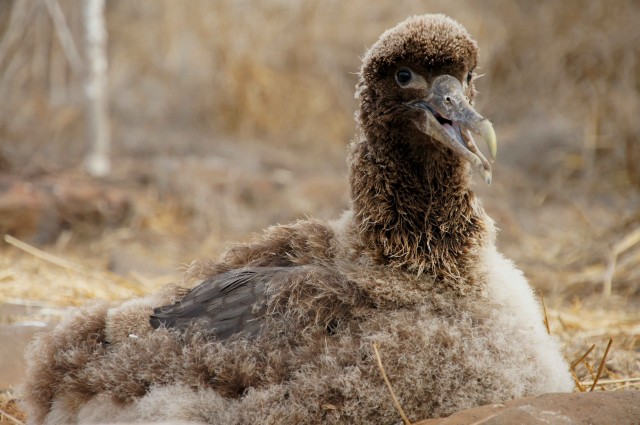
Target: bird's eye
[404, 76]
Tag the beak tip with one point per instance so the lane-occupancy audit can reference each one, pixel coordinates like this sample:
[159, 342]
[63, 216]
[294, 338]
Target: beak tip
[490, 138]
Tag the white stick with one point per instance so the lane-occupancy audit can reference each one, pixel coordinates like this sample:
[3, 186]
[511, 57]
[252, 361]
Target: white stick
[98, 162]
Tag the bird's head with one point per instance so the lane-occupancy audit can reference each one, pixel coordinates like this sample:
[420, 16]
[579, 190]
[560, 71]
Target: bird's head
[420, 74]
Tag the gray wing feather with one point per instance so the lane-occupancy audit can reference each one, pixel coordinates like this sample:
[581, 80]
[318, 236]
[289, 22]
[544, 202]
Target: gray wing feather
[226, 304]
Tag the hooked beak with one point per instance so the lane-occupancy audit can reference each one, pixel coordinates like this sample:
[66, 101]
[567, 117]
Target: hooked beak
[451, 120]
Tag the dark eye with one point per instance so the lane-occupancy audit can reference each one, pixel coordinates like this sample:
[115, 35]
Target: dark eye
[469, 77]
[403, 76]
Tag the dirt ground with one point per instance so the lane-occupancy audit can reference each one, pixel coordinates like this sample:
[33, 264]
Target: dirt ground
[220, 132]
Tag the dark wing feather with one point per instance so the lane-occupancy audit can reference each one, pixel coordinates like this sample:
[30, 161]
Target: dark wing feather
[228, 303]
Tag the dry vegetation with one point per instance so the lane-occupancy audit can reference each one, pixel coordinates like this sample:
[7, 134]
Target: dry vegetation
[229, 116]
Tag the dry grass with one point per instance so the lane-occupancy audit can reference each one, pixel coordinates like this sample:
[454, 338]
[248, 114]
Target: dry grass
[392, 393]
[230, 116]
[283, 73]
[10, 412]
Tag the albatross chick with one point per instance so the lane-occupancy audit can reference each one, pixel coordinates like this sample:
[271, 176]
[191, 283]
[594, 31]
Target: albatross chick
[280, 330]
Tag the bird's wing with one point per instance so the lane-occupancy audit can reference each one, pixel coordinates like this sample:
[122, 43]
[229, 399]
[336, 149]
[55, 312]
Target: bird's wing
[225, 304]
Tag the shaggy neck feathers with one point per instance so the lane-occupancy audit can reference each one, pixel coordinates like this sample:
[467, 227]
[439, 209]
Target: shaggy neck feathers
[412, 202]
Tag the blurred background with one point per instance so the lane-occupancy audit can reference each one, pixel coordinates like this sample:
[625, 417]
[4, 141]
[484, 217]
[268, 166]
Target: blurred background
[229, 116]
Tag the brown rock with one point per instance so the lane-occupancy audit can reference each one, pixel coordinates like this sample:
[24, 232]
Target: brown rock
[89, 203]
[15, 338]
[37, 210]
[27, 212]
[18, 324]
[593, 408]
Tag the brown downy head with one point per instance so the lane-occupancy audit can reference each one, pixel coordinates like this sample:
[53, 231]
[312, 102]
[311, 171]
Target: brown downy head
[410, 172]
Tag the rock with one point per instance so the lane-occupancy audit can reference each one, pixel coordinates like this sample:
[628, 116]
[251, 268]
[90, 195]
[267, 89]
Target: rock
[593, 408]
[15, 338]
[37, 210]
[18, 324]
[27, 212]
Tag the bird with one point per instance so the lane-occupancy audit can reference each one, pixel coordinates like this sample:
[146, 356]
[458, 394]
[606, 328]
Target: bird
[282, 329]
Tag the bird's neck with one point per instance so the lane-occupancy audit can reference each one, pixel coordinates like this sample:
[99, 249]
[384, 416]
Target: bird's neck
[413, 206]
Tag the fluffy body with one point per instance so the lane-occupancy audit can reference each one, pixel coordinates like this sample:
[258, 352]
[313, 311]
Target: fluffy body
[412, 266]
